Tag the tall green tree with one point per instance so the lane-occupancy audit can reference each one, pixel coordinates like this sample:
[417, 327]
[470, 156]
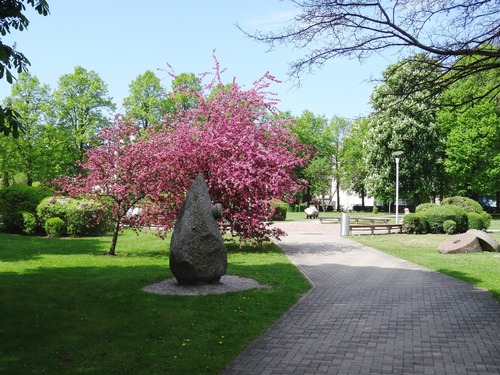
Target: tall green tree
[184, 88]
[12, 16]
[353, 155]
[473, 137]
[405, 121]
[313, 131]
[324, 137]
[147, 102]
[83, 106]
[32, 101]
[338, 127]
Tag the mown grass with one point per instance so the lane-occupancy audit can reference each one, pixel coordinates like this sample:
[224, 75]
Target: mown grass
[481, 269]
[66, 308]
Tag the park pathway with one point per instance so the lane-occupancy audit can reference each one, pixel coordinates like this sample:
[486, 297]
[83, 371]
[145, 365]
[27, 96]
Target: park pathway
[371, 313]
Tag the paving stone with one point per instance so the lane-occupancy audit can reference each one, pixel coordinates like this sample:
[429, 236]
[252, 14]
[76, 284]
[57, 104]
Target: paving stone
[369, 313]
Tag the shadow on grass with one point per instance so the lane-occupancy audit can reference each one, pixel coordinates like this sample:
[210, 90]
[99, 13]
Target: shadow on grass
[95, 318]
[21, 248]
[460, 276]
[17, 248]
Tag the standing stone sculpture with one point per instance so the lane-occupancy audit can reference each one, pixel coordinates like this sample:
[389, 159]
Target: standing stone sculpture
[197, 251]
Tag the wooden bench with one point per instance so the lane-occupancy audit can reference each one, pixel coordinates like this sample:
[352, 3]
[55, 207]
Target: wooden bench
[374, 227]
[326, 220]
[372, 220]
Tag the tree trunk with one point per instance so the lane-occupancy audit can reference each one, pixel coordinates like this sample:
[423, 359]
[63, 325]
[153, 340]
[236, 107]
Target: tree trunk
[5, 179]
[115, 238]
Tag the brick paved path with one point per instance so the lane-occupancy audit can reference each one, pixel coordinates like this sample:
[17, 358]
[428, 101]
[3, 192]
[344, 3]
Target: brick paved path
[370, 313]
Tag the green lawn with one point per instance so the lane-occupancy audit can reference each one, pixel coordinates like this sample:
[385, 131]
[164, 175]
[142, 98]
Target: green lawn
[66, 308]
[481, 269]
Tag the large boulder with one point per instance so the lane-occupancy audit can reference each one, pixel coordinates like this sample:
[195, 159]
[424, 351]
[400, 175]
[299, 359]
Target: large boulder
[487, 242]
[197, 251]
[460, 243]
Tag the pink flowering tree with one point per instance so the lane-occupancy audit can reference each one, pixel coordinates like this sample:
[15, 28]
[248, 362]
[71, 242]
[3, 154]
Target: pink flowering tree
[246, 155]
[125, 172]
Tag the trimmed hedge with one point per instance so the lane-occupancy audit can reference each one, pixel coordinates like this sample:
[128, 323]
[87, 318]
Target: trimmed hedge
[414, 223]
[81, 217]
[478, 221]
[17, 199]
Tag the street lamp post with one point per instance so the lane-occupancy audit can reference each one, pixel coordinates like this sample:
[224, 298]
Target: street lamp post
[397, 154]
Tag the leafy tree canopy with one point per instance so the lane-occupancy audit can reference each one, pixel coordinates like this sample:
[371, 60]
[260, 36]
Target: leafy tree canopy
[12, 18]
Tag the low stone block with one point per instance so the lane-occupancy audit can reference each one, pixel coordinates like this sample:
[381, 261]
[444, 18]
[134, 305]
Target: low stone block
[460, 243]
[487, 242]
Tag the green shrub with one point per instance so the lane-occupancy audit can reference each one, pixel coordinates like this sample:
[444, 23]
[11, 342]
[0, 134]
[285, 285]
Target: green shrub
[450, 227]
[52, 207]
[82, 217]
[375, 210]
[414, 223]
[279, 210]
[486, 219]
[436, 216]
[55, 227]
[424, 207]
[479, 218]
[88, 218]
[30, 224]
[16, 199]
[467, 204]
[475, 221]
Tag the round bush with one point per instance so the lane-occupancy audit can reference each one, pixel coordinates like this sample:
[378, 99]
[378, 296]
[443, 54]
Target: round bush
[16, 199]
[450, 227]
[55, 227]
[279, 210]
[436, 216]
[467, 204]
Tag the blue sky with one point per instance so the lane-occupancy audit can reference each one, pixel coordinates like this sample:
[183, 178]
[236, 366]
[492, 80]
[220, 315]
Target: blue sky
[121, 39]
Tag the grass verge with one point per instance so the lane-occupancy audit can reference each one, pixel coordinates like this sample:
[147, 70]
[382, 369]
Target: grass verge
[481, 269]
[66, 308]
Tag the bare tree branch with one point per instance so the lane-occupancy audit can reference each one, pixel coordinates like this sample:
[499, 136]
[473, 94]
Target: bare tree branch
[446, 30]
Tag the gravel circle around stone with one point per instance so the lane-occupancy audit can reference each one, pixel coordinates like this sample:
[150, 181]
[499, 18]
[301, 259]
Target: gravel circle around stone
[227, 284]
